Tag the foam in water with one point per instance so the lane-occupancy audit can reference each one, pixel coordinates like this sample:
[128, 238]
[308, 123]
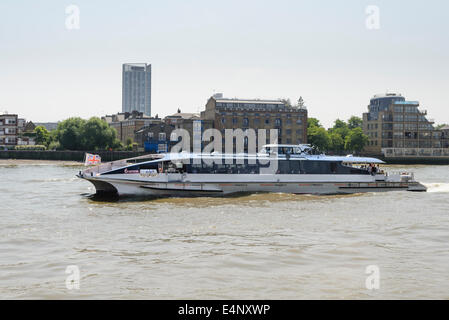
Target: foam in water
[437, 187]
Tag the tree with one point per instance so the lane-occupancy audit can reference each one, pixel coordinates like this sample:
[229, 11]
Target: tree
[318, 137]
[79, 134]
[96, 134]
[69, 133]
[42, 136]
[355, 122]
[337, 143]
[313, 122]
[356, 140]
[340, 127]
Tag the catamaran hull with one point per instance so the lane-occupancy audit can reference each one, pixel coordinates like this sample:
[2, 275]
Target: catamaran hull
[183, 189]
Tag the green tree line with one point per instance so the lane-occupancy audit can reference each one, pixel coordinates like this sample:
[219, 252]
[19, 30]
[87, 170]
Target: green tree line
[79, 134]
[96, 134]
[344, 136]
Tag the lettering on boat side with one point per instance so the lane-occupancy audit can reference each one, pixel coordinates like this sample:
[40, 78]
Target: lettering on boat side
[130, 171]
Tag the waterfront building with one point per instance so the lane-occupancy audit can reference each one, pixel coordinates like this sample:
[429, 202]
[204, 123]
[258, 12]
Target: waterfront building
[127, 123]
[290, 121]
[193, 124]
[15, 131]
[8, 130]
[396, 126]
[155, 137]
[136, 88]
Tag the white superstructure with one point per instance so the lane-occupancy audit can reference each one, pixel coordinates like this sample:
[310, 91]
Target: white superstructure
[277, 168]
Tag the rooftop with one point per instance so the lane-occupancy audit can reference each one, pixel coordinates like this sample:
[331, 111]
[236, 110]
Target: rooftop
[184, 115]
[387, 95]
[255, 101]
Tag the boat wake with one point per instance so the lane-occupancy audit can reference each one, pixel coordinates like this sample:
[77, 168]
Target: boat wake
[437, 187]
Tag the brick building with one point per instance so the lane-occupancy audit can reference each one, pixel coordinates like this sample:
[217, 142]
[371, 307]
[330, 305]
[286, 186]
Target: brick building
[9, 130]
[291, 122]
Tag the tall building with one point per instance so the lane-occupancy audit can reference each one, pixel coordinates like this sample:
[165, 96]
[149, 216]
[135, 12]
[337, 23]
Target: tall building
[136, 88]
[291, 122]
[397, 126]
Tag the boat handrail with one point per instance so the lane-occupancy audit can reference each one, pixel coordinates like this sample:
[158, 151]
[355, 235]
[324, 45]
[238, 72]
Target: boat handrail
[401, 173]
[108, 166]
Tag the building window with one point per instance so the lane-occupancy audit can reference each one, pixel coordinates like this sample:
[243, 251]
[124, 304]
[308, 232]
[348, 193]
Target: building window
[245, 122]
[173, 136]
[162, 136]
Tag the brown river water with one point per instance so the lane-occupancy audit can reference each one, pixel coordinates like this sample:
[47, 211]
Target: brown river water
[261, 246]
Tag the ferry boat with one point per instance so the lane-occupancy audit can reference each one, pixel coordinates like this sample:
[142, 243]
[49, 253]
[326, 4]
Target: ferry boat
[279, 168]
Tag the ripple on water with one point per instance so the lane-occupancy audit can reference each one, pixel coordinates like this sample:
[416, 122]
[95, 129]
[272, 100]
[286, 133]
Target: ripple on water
[248, 246]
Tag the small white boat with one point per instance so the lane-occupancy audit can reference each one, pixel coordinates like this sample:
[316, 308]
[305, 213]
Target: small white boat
[277, 168]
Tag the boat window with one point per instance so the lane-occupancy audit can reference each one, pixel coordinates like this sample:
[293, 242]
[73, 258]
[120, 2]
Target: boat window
[153, 165]
[333, 167]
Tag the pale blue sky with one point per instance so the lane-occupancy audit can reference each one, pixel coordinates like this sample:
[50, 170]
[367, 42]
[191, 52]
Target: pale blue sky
[320, 50]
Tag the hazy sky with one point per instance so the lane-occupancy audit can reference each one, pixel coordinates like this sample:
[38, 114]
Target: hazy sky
[320, 50]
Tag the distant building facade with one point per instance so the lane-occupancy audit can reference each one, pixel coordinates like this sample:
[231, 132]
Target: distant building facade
[291, 122]
[9, 130]
[193, 124]
[50, 126]
[155, 137]
[136, 88]
[127, 123]
[15, 131]
[398, 127]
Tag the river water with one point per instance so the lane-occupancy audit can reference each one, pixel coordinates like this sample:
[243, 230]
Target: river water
[262, 246]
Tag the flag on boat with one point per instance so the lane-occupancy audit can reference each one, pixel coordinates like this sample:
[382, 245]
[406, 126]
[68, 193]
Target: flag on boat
[91, 159]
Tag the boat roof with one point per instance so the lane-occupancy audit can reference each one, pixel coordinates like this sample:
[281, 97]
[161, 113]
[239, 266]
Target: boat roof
[273, 145]
[321, 157]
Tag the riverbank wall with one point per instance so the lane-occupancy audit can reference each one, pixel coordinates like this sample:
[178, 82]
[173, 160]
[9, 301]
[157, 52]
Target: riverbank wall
[118, 155]
[66, 155]
[410, 159]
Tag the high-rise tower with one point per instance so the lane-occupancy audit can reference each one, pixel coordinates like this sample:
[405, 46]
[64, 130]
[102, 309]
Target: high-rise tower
[136, 87]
